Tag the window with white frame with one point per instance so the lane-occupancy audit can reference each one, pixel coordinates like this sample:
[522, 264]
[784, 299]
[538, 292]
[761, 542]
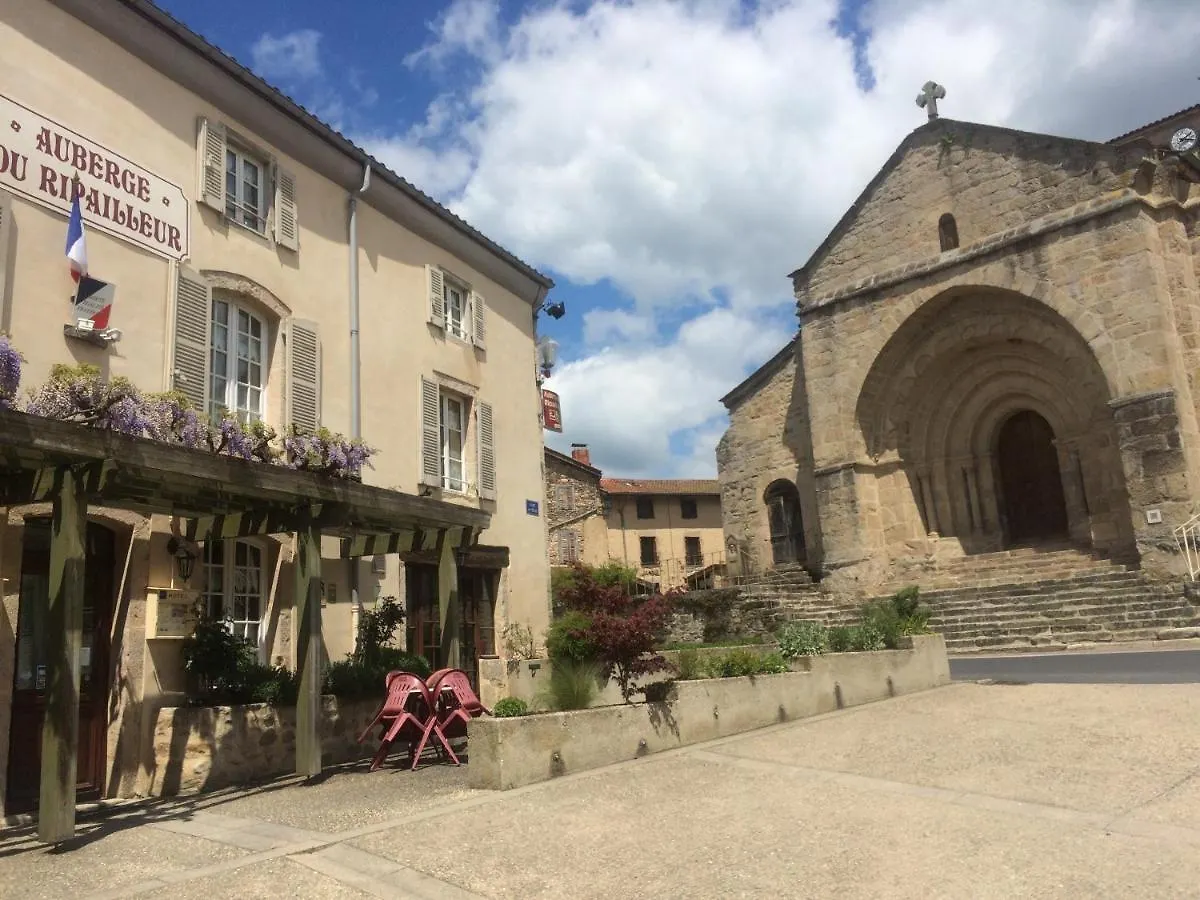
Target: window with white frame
[233, 586]
[457, 312]
[237, 361]
[454, 430]
[245, 189]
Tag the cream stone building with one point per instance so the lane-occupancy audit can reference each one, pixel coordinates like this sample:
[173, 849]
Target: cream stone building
[998, 348]
[264, 265]
[575, 523]
[668, 529]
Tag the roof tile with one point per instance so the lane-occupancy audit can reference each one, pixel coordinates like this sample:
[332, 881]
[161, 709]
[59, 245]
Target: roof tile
[682, 486]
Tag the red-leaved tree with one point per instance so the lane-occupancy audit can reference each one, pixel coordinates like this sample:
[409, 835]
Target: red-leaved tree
[623, 629]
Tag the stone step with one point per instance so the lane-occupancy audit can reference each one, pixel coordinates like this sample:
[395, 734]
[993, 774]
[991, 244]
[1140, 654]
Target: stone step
[942, 581]
[1166, 617]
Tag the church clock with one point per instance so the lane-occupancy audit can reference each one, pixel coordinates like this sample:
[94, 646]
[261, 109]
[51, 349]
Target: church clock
[1183, 140]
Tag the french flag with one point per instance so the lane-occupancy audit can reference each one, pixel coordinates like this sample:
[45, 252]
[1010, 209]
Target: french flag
[76, 243]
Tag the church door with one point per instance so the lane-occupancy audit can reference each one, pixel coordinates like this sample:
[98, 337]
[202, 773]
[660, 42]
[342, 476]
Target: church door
[1034, 505]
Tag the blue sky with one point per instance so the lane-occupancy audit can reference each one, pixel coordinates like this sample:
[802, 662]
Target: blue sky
[668, 162]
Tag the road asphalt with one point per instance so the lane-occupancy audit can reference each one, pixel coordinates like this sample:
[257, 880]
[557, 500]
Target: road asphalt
[1111, 667]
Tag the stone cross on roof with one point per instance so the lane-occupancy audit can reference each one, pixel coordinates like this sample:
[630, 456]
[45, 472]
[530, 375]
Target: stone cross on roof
[930, 94]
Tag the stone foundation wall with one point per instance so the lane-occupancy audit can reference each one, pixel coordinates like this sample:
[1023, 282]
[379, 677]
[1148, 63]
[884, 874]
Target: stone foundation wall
[207, 747]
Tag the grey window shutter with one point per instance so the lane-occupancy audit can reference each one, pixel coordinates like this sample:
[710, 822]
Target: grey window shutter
[562, 545]
[287, 227]
[487, 451]
[479, 313]
[436, 289]
[211, 151]
[572, 546]
[304, 374]
[7, 248]
[431, 434]
[192, 351]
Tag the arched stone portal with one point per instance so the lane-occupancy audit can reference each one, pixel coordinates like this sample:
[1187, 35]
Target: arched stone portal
[1031, 490]
[786, 525]
[986, 419]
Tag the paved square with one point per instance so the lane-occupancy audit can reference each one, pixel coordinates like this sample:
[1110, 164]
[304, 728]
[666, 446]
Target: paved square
[971, 790]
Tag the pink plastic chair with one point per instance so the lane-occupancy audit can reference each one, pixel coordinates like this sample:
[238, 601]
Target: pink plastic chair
[409, 708]
[392, 706]
[457, 705]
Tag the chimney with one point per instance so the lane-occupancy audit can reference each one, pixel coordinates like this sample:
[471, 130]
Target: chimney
[579, 453]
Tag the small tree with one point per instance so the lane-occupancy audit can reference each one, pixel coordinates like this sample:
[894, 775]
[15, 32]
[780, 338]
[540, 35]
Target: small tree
[623, 629]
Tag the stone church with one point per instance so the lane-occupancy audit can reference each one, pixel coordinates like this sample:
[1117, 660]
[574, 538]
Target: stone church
[997, 349]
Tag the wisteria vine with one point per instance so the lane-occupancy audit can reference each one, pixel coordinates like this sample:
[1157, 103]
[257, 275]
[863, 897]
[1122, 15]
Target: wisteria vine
[80, 394]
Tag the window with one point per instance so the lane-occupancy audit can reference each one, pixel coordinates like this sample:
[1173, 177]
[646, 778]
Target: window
[564, 497]
[456, 310]
[568, 546]
[691, 551]
[947, 232]
[649, 551]
[645, 507]
[245, 189]
[687, 507]
[237, 358]
[454, 429]
[233, 586]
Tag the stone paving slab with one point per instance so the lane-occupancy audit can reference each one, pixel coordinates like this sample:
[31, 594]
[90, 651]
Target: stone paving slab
[981, 791]
[105, 853]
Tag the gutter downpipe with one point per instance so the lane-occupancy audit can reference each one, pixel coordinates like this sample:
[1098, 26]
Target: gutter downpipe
[356, 606]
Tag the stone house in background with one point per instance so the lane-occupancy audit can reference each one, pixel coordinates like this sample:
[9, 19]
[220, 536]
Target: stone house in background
[670, 530]
[998, 346]
[574, 509]
[221, 211]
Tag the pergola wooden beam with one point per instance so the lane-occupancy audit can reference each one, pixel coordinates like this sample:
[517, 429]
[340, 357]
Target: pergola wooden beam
[43, 460]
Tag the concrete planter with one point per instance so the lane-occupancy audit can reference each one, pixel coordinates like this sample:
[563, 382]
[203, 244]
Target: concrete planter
[508, 753]
[199, 748]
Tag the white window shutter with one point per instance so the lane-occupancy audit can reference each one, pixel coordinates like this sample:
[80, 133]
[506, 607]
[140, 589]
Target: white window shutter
[304, 374]
[7, 250]
[436, 289]
[210, 149]
[487, 451]
[431, 434]
[192, 350]
[479, 313]
[287, 227]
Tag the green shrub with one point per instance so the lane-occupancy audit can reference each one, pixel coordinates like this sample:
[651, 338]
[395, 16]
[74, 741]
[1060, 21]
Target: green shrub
[841, 638]
[881, 618]
[743, 640]
[275, 685]
[688, 665]
[349, 678]
[868, 636]
[568, 638]
[572, 685]
[391, 659]
[773, 664]
[803, 639]
[510, 707]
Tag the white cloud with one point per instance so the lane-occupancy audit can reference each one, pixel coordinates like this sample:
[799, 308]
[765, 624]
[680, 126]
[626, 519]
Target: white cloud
[295, 56]
[627, 400]
[697, 151]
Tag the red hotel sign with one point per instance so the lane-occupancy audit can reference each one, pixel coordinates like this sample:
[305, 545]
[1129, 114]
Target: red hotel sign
[551, 411]
[39, 159]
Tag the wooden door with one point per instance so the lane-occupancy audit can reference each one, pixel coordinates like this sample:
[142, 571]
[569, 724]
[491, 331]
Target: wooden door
[476, 590]
[424, 621]
[1034, 504]
[30, 679]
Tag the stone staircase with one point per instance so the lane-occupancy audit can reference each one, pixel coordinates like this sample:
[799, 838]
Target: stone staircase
[1016, 599]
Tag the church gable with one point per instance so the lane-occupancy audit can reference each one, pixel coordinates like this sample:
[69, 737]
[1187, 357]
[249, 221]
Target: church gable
[954, 184]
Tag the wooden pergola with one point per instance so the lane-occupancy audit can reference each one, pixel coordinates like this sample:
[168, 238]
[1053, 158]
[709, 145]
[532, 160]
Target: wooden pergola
[73, 467]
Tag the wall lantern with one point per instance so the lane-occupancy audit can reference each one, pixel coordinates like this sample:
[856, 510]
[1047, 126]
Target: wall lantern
[547, 355]
[185, 559]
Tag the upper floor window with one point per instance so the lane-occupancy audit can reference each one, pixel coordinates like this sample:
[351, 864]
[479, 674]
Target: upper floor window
[455, 308]
[236, 362]
[645, 507]
[450, 423]
[454, 428]
[687, 508]
[564, 497]
[245, 196]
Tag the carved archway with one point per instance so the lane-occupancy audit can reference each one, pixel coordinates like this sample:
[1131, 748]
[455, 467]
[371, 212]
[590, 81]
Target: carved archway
[785, 522]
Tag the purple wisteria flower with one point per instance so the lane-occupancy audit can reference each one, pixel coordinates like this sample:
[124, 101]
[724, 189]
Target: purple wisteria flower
[10, 372]
[324, 452]
[79, 394]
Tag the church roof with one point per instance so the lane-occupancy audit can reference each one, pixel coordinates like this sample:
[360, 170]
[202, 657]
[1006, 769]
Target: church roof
[1150, 126]
[756, 378]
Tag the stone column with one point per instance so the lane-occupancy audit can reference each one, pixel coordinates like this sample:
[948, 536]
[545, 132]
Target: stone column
[844, 540]
[449, 611]
[308, 650]
[1079, 525]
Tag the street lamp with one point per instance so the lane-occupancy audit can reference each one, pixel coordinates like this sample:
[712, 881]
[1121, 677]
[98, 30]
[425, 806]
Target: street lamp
[547, 355]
